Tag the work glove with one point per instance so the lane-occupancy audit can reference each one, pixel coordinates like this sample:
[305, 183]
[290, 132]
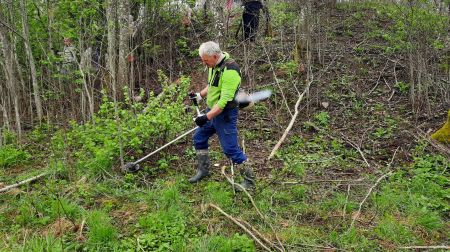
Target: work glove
[195, 96]
[201, 120]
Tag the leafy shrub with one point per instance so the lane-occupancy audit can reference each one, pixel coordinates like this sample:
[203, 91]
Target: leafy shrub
[134, 125]
[10, 156]
[322, 118]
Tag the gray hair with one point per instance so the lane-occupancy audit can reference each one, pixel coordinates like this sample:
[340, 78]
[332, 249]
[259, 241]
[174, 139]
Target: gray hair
[209, 48]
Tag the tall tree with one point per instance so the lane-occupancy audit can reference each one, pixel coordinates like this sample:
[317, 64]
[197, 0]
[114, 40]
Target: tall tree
[26, 36]
[11, 81]
[111, 19]
[124, 21]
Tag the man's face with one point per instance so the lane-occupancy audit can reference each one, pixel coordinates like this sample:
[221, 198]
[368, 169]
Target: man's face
[210, 61]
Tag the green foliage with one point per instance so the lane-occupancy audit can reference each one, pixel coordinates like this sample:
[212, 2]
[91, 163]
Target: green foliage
[391, 229]
[353, 239]
[41, 210]
[10, 156]
[337, 204]
[281, 17]
[237, 242]
[101, 232]
[402, 87]
[97, 143]
[322, 118]
[8, 137]
[420, 193]
[413, 26]
[215, 193]
[46, 243]
[163, 231]
[290, 67]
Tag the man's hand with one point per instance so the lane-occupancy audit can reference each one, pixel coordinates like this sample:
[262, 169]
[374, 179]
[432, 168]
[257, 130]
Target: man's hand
[195, 96]
[201, 120]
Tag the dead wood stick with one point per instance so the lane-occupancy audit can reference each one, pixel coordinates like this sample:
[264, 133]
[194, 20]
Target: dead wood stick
[4, 189]
[80, 231]
[296, 109]
[371, 188]
[239, 224]
[259, 234]
[379, 77]
[354, 145]
[365, 198]
[291, 123]
[320, 181]
[440, 147]
[233, 184]
[426, 247]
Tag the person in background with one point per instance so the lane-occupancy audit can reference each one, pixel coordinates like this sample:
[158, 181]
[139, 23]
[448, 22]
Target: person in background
[250, 18]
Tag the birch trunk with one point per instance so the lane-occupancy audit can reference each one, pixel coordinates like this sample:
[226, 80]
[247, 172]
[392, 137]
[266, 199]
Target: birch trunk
[111, 19]
[26, 35]
[124, 38]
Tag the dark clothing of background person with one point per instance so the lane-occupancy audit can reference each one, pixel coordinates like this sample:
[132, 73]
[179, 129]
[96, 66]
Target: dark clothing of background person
[250, 18]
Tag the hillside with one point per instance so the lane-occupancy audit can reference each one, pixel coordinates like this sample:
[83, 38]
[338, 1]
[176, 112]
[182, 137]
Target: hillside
[356, 172]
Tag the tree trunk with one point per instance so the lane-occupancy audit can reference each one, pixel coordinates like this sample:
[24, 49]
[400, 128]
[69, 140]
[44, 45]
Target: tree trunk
[26, 35]
[11, 81]
[111, 19]
[123, 14]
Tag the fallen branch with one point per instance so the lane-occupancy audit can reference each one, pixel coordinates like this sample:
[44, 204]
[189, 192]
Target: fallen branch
[239, 224]
[291, 123]
[365, 198]
[320, 181]
[440, 147]
[354, 145]
[426, 247]
[7, 188]
[371, 188]
[254, 205]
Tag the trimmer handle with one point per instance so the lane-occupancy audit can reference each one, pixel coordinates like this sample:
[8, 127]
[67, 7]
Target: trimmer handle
[193, 98]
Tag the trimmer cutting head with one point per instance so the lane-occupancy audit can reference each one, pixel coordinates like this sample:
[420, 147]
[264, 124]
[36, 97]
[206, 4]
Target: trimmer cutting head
[131, 167]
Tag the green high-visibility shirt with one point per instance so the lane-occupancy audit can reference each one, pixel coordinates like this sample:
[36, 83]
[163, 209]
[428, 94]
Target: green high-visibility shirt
[223, 84]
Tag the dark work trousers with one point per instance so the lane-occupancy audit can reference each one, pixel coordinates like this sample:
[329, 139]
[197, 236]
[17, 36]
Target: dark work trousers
[225, 126]
[250, 19]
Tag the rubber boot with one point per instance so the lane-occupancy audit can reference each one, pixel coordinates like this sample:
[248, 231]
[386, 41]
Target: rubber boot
[202, 166]
[249, 177]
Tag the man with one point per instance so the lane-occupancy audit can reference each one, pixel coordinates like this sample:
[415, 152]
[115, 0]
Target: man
[250, 18]
[68, 56]
[224, 78]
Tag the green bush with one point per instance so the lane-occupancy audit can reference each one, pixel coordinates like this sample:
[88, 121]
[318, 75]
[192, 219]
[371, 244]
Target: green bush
[136, 126]
[10, 156]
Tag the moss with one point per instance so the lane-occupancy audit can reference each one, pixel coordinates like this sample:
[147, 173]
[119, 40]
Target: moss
[443, 134]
